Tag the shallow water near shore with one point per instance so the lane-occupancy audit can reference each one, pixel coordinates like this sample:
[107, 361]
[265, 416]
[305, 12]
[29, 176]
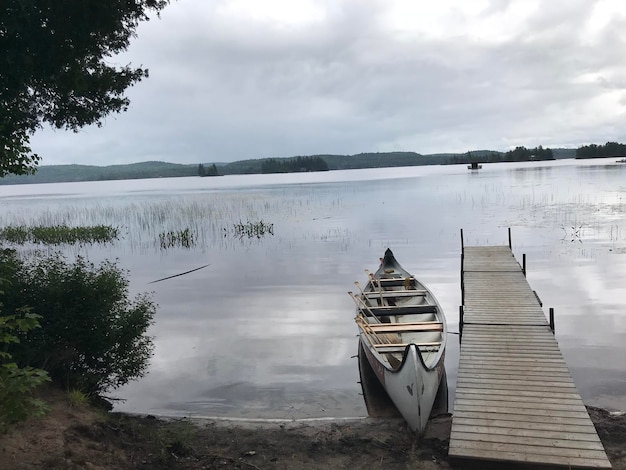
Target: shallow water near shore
[266, 329]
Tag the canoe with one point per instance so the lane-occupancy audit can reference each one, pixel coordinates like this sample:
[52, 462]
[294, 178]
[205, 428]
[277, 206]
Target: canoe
[402, 335]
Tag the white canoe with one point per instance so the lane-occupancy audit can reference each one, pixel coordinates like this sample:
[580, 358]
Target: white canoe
[402, 334]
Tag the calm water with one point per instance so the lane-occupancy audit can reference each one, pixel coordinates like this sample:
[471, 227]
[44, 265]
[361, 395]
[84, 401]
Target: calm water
[266, 331]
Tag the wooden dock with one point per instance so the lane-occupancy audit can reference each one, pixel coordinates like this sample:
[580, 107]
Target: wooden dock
[516, 401]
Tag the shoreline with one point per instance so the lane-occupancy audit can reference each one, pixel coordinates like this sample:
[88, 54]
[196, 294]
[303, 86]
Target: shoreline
[83, 437]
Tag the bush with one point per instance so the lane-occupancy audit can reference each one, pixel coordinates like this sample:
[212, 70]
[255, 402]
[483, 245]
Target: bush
[16, 384]
[92, 336]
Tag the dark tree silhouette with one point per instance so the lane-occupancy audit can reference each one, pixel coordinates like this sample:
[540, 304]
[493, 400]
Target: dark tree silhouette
[55, 68]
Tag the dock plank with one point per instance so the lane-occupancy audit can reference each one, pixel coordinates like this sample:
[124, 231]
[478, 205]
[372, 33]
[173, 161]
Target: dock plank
[530, 438]
[500, 455]
[517, 420]
[506, 397]
[515, 401]
[516, 427]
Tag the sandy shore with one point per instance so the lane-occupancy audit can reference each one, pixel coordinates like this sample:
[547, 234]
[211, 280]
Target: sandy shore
[84, 438]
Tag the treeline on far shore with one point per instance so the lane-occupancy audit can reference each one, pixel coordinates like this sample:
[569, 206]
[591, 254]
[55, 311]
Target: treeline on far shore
[610, 149]
[324, 162]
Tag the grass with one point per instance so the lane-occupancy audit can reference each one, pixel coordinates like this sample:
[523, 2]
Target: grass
[59, 234]
[253, 229]
[177, 238]
[76, 398]
[158, 223]
[176, 439]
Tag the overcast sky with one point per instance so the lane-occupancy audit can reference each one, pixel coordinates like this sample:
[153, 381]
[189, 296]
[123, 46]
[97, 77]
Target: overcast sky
[240, 79]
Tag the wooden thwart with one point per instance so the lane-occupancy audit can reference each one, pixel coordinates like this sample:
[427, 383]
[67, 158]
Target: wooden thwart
[394, 293]
[399, 348]
[404, 345]
[515, 399]
[392, 280]
[406, 327]
[403, 310]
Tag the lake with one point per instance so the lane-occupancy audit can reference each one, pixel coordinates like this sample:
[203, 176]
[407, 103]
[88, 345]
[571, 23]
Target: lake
[266, 330]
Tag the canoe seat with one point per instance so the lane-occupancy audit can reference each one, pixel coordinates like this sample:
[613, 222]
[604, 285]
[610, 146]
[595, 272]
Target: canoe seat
[393, 281]
[406, 327]
[400, 347]
[402, 310]
[394, 293]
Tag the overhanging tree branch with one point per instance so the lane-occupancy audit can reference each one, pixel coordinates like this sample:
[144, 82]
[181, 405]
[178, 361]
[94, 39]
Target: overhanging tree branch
[53, 68]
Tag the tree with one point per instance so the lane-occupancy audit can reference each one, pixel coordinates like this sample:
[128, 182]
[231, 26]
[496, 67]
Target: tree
[610, 149]
[293, 165]
[212, 171]
[55, 68]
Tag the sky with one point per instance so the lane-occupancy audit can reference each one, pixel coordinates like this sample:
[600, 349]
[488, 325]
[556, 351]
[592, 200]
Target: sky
[245, 79]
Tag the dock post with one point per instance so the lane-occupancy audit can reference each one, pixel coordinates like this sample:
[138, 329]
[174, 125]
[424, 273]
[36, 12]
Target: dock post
[462, 243]
[552, 319]
[510, 244]
[462, 258]
[460, 323]
[524, 264]
[462, 283]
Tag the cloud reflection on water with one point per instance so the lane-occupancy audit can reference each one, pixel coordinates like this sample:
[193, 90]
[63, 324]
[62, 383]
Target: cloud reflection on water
[267, 329]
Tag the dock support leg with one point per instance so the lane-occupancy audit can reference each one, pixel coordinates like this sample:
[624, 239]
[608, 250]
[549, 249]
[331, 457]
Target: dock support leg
[462, 242]
[552, 319]
[462, 282]
[460, 323]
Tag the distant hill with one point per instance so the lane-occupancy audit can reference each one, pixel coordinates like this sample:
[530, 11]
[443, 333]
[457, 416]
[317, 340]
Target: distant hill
[68, 173]
[153, 169]
[360, 160]
[343, 162]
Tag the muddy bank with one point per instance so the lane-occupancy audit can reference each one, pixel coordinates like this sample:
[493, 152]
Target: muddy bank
[83, 438]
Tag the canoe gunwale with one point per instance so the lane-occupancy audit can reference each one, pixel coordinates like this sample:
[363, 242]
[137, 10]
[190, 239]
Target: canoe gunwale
[414, 321]
[389, 263]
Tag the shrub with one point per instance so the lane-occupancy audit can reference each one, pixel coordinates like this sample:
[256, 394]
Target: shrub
[92, 336]
[76, 398]
[17, 383]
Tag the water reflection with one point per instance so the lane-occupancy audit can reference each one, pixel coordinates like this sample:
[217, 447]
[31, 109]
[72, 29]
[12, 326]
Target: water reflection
[266, 330]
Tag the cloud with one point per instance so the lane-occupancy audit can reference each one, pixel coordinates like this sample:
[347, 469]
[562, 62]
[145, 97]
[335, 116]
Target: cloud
[242, 79]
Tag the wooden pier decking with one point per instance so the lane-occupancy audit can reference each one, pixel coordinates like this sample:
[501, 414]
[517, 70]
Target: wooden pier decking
[515, 399]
